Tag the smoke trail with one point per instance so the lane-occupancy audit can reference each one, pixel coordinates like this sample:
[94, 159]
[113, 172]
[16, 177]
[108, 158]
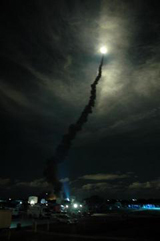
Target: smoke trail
[62, 149]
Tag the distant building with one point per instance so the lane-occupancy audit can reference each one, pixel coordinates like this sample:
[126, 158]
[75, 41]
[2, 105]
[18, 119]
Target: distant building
[33, 200]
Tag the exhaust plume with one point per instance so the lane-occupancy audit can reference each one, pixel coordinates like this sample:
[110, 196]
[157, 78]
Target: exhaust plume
[63, 148]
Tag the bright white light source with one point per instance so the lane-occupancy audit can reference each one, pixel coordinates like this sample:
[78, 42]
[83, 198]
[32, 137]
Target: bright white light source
[67, 206]
[75, 205]
[80, 205]
[103, 50]
[32, 202]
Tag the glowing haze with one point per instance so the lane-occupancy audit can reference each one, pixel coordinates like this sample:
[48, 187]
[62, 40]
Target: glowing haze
[103, 50]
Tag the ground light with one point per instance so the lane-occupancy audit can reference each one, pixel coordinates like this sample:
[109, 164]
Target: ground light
[32, 202]
[75, 205]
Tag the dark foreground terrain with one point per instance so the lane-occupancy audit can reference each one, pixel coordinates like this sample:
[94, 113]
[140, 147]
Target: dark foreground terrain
[114, 226]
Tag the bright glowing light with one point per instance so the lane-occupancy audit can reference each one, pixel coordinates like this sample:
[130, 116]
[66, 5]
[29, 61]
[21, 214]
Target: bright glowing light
[80, 205]
[43, 201]
[32, 202]
[67, 206]
[75, 205]
[103, 50]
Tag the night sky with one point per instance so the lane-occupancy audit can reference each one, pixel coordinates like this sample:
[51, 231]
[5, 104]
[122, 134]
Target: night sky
[49, 55]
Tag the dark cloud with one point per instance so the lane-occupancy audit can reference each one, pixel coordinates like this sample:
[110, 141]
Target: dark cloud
[38, 183]
[4, 182]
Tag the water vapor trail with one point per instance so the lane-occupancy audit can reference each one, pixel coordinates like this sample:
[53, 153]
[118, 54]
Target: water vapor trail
[63, 148]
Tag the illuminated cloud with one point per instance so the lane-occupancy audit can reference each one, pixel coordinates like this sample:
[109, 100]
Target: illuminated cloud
[38, 183]
[101, 176]
[64, 180]
[14, 95]
[101, 186]
[153, 184]
[138, 185]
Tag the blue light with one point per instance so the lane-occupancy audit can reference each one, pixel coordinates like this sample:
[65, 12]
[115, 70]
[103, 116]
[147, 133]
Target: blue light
[66, 190]
[134, 206]
[43, 201]
[150, 207]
